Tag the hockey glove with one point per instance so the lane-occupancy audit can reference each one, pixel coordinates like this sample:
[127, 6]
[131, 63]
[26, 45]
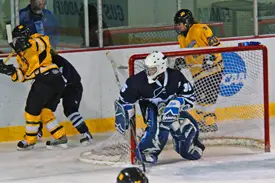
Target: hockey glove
[180, 63]
[124, 113]
[208, 62]
[7, 69]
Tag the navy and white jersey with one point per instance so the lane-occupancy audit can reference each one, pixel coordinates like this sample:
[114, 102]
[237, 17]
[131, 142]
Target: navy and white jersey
[174, 84]
[68, 71]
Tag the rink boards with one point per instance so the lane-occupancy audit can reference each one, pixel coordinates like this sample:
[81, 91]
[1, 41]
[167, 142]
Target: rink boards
[100, 91]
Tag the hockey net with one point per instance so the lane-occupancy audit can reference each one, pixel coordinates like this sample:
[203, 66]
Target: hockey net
[241, 108]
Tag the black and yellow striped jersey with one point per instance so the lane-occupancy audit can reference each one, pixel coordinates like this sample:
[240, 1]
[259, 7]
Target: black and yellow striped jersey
[34, 60]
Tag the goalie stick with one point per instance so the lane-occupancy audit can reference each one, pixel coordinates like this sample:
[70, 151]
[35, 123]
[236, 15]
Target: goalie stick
[114, 66]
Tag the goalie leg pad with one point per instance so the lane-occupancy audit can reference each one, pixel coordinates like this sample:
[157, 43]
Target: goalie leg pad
[185, 140]
[171, 112]
[154, 139]
[123, 116]
[184, 115]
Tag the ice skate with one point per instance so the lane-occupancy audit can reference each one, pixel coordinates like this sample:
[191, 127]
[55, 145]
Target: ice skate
[24, 145]
[86, 139]
[61, 142]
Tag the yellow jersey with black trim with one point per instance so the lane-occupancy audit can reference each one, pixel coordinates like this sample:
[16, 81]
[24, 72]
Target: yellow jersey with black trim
[200, 35]
[34, 60]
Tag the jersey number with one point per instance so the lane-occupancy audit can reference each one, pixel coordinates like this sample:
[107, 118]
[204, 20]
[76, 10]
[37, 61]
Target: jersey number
[187, 87]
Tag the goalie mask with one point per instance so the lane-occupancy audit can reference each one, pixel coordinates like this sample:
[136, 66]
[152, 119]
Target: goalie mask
[183, 20]
[20, 37]
[155, 64]
[132, 175]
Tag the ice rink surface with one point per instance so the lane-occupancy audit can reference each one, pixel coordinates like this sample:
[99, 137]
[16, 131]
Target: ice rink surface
[219, 165]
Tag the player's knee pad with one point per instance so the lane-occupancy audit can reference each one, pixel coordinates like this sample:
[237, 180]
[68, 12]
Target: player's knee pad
[184, 135]
[51, 123]
[32, 118]
[47, 115]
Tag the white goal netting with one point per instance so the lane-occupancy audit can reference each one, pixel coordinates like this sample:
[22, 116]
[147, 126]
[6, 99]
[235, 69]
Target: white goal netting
[239, 103]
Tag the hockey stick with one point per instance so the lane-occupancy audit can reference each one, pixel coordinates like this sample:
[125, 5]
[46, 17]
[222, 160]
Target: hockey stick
[9, 35]
[7, 58]
[118, 66]
[109, 57]
[114, 66]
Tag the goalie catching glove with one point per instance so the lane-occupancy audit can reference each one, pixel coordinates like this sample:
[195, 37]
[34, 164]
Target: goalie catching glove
[124, 113]
[7, 69]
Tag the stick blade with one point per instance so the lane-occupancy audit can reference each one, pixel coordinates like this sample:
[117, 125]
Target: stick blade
[9, 33]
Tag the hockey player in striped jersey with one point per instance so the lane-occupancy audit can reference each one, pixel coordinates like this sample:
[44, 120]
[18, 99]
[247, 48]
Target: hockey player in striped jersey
[35, 63]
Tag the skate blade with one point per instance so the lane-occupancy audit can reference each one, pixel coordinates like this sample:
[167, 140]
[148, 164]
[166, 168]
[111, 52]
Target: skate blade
[25, 149]
[87, 143]
[62, 146]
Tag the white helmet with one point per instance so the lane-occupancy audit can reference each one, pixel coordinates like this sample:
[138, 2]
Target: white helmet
[155, 63]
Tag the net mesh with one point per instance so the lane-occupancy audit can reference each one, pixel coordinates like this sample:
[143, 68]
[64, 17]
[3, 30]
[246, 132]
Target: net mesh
[229, 105]
[114, 150]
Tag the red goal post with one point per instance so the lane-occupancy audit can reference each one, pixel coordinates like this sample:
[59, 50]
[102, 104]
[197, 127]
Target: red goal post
[251, 55]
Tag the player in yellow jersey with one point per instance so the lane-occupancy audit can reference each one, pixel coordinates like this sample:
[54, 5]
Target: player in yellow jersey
[206, 69]
[35, 63]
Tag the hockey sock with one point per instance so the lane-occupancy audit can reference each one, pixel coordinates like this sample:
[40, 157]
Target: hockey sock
[78, 122]
[52, 124]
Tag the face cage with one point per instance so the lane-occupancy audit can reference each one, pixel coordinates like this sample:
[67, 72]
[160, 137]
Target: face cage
[20, 44]
[178, 31]
[184, 21]
[151, 71]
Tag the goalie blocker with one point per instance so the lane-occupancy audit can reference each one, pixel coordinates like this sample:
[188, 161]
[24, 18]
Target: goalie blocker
[165, 94]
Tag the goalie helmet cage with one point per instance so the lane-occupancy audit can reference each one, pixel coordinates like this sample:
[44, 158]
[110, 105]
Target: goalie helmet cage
[246, 124]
